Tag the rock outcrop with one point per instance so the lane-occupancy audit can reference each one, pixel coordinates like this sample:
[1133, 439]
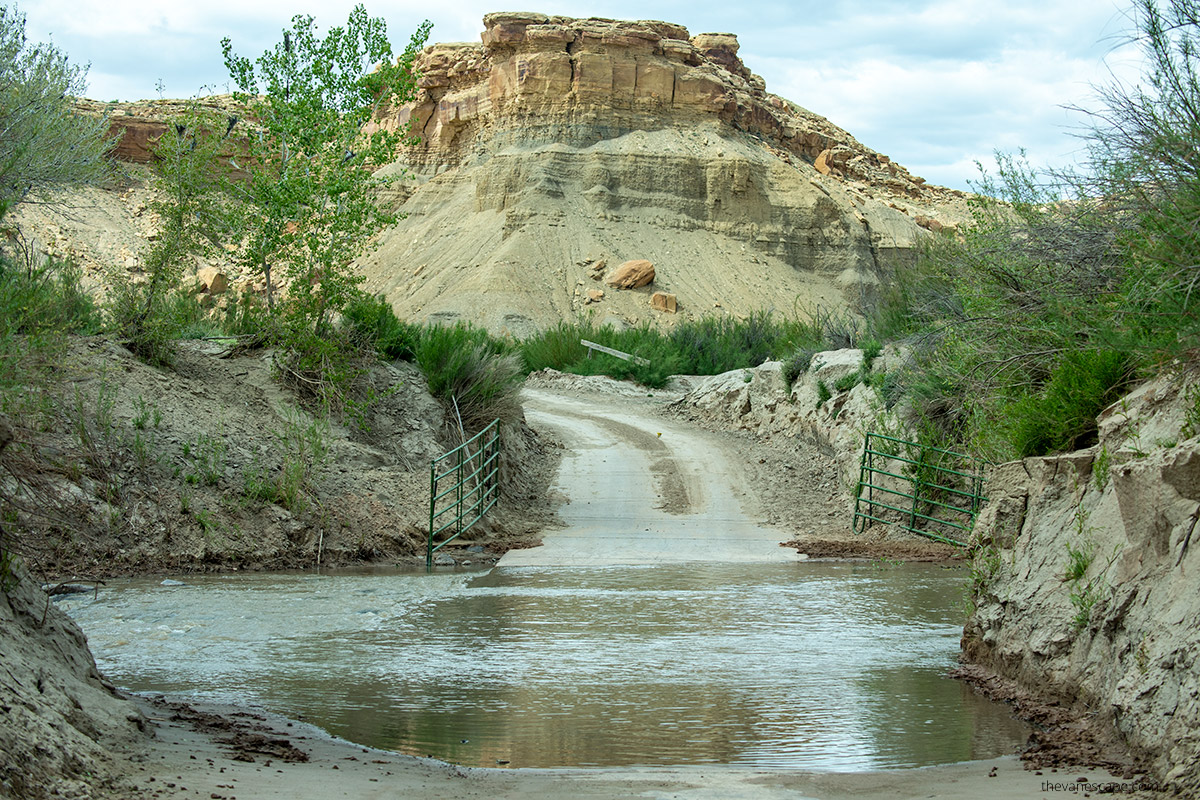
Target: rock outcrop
[1087, 577]
[829, 418]
[558, 140]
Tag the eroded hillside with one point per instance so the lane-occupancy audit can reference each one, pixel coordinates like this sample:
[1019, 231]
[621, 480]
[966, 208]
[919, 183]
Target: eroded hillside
[555, 150]
[558, 143]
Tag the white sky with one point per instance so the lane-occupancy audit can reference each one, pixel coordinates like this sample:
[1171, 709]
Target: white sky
[935, 84]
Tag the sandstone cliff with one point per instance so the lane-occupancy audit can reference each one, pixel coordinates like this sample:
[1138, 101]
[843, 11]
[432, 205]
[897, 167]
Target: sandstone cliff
[556, 143]
[1086, 580]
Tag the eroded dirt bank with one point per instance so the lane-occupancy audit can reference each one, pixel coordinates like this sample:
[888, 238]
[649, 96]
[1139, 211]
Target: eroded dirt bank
[1085, 583]
[122, 468]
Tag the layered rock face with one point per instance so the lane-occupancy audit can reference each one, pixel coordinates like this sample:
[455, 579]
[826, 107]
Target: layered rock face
[557, 142]
[1088, 577]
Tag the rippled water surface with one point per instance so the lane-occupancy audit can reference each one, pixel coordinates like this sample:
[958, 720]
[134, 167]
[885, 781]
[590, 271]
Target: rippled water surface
[812, 665]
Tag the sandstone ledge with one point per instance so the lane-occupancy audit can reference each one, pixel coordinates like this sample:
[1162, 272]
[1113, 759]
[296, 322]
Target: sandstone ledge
[532, 69]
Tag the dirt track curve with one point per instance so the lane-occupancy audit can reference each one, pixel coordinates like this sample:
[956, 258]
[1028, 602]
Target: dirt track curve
[641, 490]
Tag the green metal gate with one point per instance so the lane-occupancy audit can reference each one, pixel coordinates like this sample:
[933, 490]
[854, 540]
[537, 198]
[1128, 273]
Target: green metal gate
[935, 493]
[463, 486]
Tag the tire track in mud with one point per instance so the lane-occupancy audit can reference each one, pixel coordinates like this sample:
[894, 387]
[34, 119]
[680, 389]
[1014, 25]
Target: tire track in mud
[669, 481]
[642, 490]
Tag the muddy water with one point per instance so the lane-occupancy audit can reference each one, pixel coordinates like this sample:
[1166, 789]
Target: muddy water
[812, 665]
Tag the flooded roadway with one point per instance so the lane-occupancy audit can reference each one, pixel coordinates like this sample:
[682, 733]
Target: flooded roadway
[823, 666]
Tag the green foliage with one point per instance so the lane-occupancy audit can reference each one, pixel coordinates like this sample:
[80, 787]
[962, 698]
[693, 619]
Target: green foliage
[310, 186]
[309, 195]
[1084, 594]
[1079, 558]
[823, 393]
[1102, 468]
[847, 382]
[207, 460]
[301, 445]
[557, 347]
[706, 346]
[985, 565]
[871, 350]
[1143, 149]
[1191, 412]
[373, 322]
[327, 368]
[796, 365]
[45, 145]
[1016, 345]
[1042, 311]
[9, 577]
[149, 315]
[44, 298]
[822, 328]
[712, 345]
[1062, 416]
[471, 371]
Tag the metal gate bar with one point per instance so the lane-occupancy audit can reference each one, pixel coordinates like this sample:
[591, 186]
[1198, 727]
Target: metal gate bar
[931, 486]
[473, 491]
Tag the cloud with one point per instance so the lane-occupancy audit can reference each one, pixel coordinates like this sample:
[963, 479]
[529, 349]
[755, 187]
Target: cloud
[932, 83]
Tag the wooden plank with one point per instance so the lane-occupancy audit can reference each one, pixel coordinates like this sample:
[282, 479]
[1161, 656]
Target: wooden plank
[611, 352]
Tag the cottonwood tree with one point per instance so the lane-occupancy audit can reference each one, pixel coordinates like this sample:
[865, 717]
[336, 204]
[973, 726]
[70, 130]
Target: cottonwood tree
[190, 180]
[44, 143]
[310, 188]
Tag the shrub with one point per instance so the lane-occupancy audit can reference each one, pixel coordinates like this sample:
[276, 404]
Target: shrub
[38, 306]
[847, 382]
[47, 297]
[373, 321]
[45, 145]
[470, 371]
[871, 350]
[557, 347]
[797, 365]
[712, 345]
[823, 393]
[187, 176]
[1063, 416]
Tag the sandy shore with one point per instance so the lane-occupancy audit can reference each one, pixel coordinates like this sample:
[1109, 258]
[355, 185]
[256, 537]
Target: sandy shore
[223, 753]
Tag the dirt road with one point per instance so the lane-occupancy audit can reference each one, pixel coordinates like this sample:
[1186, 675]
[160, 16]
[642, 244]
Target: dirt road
[630, 496]
[642, 490]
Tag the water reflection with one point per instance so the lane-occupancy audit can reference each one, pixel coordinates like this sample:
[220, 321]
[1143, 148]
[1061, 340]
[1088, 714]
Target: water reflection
[821, 666]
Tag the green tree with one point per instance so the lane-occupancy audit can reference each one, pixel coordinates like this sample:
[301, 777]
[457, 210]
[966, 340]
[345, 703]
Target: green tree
[1144, 158]
[311, 157]
[44, 144]
[189, 178]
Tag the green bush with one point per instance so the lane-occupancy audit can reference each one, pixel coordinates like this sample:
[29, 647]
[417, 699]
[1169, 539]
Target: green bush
[471, 370]
[706, 346]
[712, 345]
[557, 347]
[1063, 416]
[47, 297]
[39, 306]
[871, 350]
[847, 382]
[797, 365]
[373, 321]
[46, 145]
[823, 393]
